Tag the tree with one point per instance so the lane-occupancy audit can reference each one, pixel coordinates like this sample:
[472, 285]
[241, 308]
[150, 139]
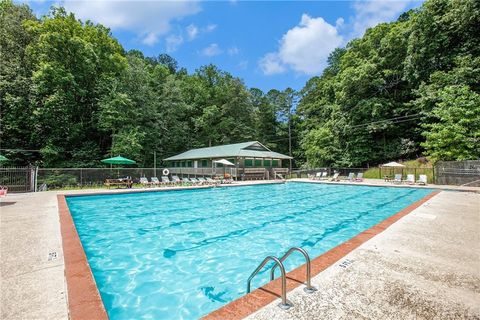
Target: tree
[16, 123]
[73, 61]
[456, 134]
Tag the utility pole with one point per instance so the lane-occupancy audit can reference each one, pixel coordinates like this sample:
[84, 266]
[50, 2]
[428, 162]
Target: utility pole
[290, 137]
[155, 163]
[291, 101]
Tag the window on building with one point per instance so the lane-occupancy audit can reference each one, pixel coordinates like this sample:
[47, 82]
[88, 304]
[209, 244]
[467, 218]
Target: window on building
[275, 163]
[258, 162]
[204, 163]
[267, 162]
[189, 163]
[248, 162]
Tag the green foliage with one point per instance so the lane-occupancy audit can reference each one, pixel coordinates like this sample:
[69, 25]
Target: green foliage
[456, 134]
[69, 90]
[387, 95]
[58, 180]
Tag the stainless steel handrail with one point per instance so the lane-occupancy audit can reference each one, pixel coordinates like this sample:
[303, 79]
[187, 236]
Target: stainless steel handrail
[284, 304]
[309, 288]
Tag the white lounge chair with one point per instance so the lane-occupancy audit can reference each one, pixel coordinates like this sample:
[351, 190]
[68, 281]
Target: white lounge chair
[166, 180]
[176, 180]
[398, 178]
[335, 177]
[422, 180]
[211, 181]
[144, 182]
[185, 181]
[202, 180]
[195, 181]
[351, 176]
[410, 179]
[318, 176]
[154, 181]
[359, 177]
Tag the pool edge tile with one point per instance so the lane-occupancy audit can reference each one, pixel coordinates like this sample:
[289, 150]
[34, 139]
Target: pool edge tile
[84, 300]
[260, 297]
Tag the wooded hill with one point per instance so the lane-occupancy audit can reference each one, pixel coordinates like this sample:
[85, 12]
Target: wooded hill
[405, 89]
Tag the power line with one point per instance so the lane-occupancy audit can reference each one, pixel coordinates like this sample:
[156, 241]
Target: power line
[394, 120]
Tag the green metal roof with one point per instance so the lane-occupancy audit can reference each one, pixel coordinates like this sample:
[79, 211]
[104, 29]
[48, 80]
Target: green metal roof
[244, 149]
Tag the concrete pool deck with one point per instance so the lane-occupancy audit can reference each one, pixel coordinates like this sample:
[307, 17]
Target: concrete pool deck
[425, 266]
[33, 283]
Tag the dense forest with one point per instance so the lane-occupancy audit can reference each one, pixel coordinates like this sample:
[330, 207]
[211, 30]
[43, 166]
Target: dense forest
[71, 95]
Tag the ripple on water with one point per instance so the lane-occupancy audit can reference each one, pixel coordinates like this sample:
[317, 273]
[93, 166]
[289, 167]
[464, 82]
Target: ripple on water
[182, 254]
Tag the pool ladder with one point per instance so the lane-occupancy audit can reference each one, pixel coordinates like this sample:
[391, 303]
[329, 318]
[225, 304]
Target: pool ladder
[285, 304]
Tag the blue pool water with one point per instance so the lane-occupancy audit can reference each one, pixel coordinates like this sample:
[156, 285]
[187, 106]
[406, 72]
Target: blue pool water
[182, 254]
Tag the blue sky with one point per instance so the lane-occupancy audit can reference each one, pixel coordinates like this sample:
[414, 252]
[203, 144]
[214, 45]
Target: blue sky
[275, 44]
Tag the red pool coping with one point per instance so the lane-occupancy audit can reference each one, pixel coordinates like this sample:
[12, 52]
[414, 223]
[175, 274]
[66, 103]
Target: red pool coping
[85, 302]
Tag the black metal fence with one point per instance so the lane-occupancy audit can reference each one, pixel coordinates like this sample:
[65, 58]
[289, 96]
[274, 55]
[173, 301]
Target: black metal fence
[458, 172]
[28, 179]
[56, 178]
[18, 179]
[368, 173]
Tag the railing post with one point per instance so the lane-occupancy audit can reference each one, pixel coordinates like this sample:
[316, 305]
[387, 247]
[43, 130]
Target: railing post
[309, 288]
[284, 304]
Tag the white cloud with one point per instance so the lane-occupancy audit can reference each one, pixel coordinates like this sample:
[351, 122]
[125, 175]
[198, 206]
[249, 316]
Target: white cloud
[212, 50]
[243, 64]
[272, 64]
[192, 31]
[304, 48]
[173, 42]
[232, 51]
[150, 39]
[210, 28]
[148, 19]
[372, 12]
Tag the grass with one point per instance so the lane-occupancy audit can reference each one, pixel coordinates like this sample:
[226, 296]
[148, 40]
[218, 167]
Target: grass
[411, 167]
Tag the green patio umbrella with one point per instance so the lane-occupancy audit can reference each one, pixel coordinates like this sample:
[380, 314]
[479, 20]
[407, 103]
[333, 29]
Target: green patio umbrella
[118, 160]
[3, 158]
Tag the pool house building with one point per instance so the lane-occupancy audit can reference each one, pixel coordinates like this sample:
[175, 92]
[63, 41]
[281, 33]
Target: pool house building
[250, 161]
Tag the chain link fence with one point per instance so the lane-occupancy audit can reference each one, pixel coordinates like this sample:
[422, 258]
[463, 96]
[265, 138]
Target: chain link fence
[466, 173]
[29, 179]
[368, 173]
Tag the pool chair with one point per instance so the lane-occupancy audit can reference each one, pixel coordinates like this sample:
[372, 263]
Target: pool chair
[422, 180]
[195, 181]
[144, 182]
[398, 178]
[3, 191]
[211, 181]
[321, 175]
[202, 180]
[185, 181]
[359, 177]
[176, 180]
[226, 180]
[410, 179]
[351, 177]
[335, 177]
[155, 181]
[166, 181]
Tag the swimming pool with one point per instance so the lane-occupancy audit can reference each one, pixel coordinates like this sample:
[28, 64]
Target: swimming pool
[182, 254]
